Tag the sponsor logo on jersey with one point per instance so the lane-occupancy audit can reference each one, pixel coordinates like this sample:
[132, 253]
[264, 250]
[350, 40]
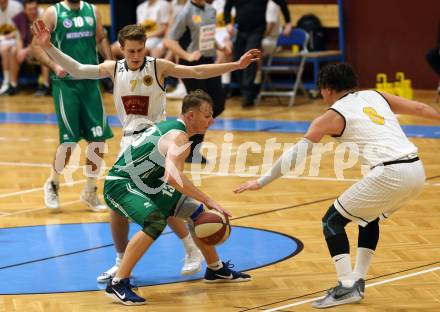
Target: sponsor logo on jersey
[67, 23]
[89, 20]
[79, 34]
[148, 80]
[136, 104]
[197, 19]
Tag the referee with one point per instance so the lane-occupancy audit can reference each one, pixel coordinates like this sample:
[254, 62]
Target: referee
[197, 18]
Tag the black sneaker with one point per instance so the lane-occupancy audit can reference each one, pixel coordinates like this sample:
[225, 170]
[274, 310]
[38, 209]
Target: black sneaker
[247, 103]
[225, 275]
[123, 292]
[42, 91]
[10, 91]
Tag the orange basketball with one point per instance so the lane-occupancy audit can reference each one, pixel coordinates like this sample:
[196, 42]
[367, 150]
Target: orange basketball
[212, 227]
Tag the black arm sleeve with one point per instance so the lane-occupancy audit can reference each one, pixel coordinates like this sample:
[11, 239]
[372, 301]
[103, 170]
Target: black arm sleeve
[227, 11]
[284, 9]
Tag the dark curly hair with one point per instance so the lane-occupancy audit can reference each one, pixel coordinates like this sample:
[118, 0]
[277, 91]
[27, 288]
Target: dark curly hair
[337, 77]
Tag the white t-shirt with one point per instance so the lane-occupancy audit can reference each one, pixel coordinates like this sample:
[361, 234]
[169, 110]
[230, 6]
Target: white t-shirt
[372, 127]
[273, 16]
[13, 8]
[152, 14]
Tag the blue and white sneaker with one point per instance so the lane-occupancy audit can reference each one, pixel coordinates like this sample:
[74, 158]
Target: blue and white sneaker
[123, 292]
[225, 275]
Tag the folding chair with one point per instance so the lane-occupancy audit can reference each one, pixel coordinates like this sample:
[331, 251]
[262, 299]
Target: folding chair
[285, 62]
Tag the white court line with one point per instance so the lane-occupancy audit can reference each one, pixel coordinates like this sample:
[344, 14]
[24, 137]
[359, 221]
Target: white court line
[38, 189]
[5, 214]
[369, 285]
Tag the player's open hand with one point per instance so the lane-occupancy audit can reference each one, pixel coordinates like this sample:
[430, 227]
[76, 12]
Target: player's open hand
[251, 185]
[213, 205]
[248, 58]
[41, 33]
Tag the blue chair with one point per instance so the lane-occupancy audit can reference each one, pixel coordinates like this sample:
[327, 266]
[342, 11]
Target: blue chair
[285, 61]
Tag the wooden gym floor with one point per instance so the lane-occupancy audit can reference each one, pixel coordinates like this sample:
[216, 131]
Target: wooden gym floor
[404, 276]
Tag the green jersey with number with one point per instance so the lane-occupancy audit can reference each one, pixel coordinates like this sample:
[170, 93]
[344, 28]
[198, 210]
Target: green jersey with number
[142, 159]
[75, 32]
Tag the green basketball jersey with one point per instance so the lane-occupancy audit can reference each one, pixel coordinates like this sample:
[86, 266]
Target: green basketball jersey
[75, 32]
[142, 159]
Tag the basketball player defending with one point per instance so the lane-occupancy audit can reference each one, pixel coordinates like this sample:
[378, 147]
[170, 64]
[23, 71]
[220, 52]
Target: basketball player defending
[367, 119]
[139, 96]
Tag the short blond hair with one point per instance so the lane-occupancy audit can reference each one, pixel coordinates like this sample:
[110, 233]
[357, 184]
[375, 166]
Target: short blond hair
[131, 32]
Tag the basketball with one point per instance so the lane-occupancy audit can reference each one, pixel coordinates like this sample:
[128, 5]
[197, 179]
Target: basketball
[212, 227]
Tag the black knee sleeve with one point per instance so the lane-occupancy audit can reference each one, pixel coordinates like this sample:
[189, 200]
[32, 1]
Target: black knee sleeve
[333, 223]
[369, 235]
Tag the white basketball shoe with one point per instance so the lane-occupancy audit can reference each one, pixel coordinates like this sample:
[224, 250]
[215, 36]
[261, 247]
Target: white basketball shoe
[90, 197]
[51, 199]
[193, 262]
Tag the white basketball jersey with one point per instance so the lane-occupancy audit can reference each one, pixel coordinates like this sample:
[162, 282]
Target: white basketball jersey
[139, 98]
[373, 127]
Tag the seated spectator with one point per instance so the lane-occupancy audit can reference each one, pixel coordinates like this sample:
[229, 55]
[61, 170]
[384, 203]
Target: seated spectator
[22, 50]
[154, 16]
[8, 9]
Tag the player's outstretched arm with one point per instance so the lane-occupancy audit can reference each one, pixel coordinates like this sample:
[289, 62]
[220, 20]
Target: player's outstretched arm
[404, 106]
[167, 68]
[329, 123]
[76, 69]
[48, 18]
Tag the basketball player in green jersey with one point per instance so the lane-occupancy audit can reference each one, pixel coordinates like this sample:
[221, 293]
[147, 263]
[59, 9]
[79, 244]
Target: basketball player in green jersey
[77, 29]
[146, 185]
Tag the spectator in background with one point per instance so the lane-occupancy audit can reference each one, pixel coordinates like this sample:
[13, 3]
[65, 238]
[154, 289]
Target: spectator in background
[273, 28]
[224, 41]
[8, 9]
[154, 16]
[199, 19]
[251, 26]
[271, 34]
[21, 51]
[433, 58]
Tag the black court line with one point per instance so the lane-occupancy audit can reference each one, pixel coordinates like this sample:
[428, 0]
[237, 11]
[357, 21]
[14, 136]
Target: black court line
[237, 218]
[62, 255]
[300, 247]
[166, 233]
[324, 290]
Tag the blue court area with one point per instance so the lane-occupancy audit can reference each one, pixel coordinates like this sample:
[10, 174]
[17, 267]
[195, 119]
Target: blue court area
[222, 124]
[69, 257]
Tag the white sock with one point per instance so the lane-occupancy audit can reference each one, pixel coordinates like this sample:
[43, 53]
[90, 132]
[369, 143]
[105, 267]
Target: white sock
[216, 265]
[5, 77]
[54, 176]
[116, 280]
[188, 243]
[14, 84]
[90, 184]
[343, 269]
[363, 260]
[226, 78]
[119, 256]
